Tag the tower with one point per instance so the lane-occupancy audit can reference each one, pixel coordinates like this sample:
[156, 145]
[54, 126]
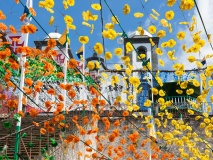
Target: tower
[143, 45]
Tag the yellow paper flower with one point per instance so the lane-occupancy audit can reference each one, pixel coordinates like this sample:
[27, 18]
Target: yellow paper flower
[140, 30]
[154, 17]
[135, 81]
[138, 15]
[126, 9]
[181, 35]
[152, 29]
[179, 91]
[155, 91]
[109, 26]
[159, 51]
[169, 15]
[161, 101]
[68, 19]
[170, 54]
[71, 2]
[161, 93]
[118, 51]
[104, 75]
[118, 99]
[51, 21]
[161, 62]
[155, 12]
[98, 48]
[91, 65]
[191, 59]
[115, 79]
[129, 47]
[168, 136]
[65, 4]
[170, 3]
[135, 107]
[117, 67]
[112, 34]
[108, 55]
[83, 39]
[96, 6]
[161, 33]
[131, 97]
[86, 24]
[114, 20]
[147, 103]
[164, 22]
[171, 43]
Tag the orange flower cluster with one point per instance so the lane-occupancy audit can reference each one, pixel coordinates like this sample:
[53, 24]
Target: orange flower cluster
[27, 90]
[13, 64]
[51, 43]
[35, 124]
[21, 114]
[72, 63]
[32, 11]
[28, 81]
[3, 27]
[60, 75]
[33, 113]
[38, 86]
[5, 53]
[94, 91]
[12, 29]
[2, 15]
[72, 94]
[3, 96]
[28, 28]
[114, 135]
[72, 138]
[7, 76]
[26, 50]
[48, 67]
[134, 137]
[106, 122]
[12, 104]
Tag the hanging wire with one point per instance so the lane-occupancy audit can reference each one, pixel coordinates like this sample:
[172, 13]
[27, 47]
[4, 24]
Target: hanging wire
[202, 22]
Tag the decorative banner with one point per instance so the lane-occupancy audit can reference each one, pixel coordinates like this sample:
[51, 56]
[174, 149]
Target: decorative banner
[59, 58]
[80, 65]
[16, 40]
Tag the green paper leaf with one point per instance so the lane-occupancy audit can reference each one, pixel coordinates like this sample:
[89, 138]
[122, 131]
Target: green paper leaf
[43, 151]
[146, 62]
[24, 135]
[53, 142]
[7, 125]
[16, 117]
[51, 158]
[30, 145]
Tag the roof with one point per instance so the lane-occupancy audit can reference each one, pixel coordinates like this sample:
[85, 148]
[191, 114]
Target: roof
[136, 34]
[53, 35]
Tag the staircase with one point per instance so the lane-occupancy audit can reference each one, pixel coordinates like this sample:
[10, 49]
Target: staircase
[30, 146]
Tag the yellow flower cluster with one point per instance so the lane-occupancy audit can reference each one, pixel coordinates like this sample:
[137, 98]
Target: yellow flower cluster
[96, 6]
[126, 9]
[88, 16]
[98, 48]
[134, 81]
[187, 5]
[83, 39]
[69, 20]
[47, 4]
[109, 34]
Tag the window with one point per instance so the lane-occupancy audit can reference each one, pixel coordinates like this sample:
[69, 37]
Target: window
[142, 50]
